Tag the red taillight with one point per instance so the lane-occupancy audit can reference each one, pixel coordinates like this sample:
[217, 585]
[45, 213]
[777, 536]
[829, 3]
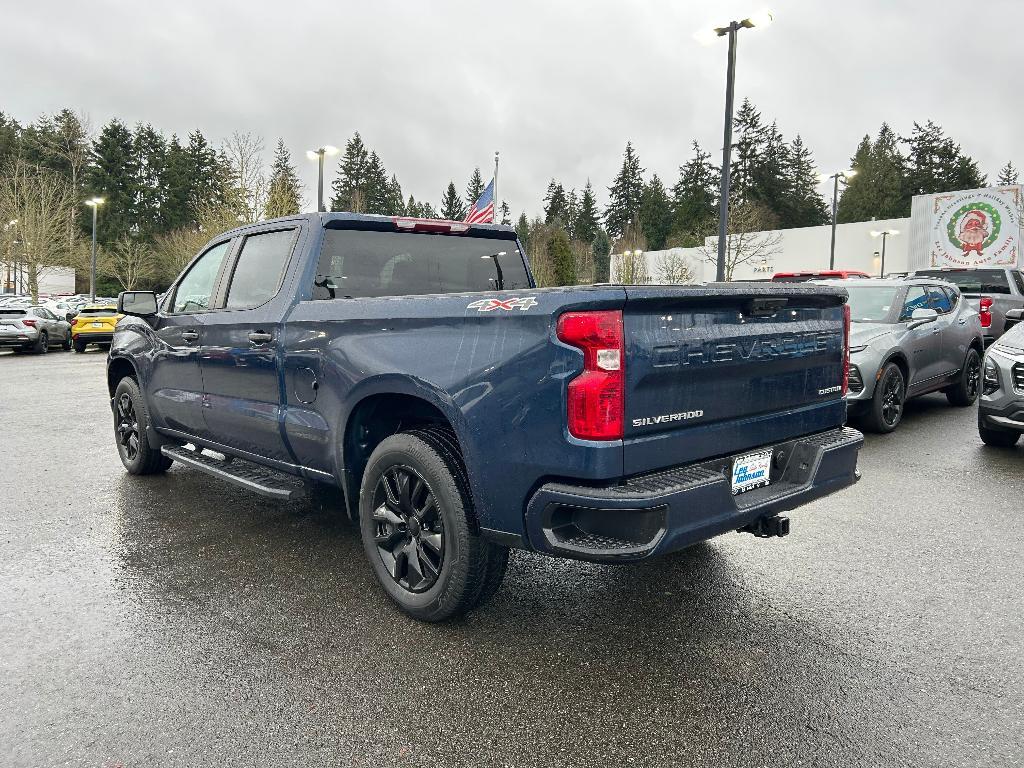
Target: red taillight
[29, 323]
[985, 313]
[596, 397]
[407, 224]
[846, 349]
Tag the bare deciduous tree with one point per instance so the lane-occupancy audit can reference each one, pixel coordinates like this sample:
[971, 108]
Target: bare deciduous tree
[250, 185]
[174, 250]
[750, 238]
[673, 269]
[630, 268]
[129, 262]
[40, 202]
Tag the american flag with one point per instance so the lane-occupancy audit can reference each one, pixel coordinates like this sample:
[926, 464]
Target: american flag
[482, 211]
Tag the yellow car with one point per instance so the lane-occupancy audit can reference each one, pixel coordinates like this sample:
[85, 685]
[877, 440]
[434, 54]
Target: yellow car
[94, 325]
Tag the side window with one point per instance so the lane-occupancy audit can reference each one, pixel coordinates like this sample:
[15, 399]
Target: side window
[44, 313]
[916, 299]
[259, 268]
[939, 300]
[1018, 278]
[195, 291]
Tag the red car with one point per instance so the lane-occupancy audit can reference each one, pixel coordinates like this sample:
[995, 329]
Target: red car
[825, 274]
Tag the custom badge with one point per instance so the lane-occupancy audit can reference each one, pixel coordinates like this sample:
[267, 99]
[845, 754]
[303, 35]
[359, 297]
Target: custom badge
[490, 305]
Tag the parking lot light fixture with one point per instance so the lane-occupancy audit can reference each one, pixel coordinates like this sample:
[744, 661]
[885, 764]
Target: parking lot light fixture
[845, 176]
[318, 155]
[884, 234]
[706, 37]
[94, 203]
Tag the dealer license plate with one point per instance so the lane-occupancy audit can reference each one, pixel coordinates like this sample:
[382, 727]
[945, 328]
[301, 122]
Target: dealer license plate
[751, 471]
[97, 325]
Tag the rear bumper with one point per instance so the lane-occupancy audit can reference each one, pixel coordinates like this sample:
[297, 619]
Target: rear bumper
[100, 337]
[650, 515]
[18, 339]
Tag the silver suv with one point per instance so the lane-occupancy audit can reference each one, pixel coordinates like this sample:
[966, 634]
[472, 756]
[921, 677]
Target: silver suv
[1001, 408]
[909, 337]
[33, 329]
[993, 291]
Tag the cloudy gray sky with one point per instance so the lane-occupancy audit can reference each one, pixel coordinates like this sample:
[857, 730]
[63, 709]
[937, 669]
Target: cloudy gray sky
[435, 87]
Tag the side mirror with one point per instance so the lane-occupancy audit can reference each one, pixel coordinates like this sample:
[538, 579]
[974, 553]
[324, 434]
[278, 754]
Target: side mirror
[1015, 314]
[137, 303]
[922, 316]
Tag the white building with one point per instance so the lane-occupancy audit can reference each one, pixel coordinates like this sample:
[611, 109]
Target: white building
[51, 280]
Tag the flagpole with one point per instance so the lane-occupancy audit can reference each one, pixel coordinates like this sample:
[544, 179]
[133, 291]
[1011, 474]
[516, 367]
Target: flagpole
[494, 217]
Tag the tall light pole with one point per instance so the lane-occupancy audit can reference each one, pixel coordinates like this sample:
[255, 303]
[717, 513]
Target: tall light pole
[94, 203]
[762, 19]
[844, 175]
[318, 155]
[884, 234]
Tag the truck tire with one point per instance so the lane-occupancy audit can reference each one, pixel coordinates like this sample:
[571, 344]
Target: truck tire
[414, 517]
[885, 411]
[968, 384]
[997, 438]
[131, 420]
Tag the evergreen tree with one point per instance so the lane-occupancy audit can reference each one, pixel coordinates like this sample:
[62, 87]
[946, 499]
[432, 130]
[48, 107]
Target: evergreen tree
[350, 185]
[572, 206]
[150, 149]
[878, 190]
[655, 214]
[750, 136]
[588, 220]
[694, 197]
[10, 138]
[413, 208]
[210, 175]
[560, 257]
[176, 182]
[429, 212]
[602, 249]
[394, 205]
[555, 203]
[523, 230]
[937, 164]
[801, 205]
[1007, 175]
[625, 193]
[475, 187]
[377, 187]
[112, 175]
[452, 207]
[284, 197]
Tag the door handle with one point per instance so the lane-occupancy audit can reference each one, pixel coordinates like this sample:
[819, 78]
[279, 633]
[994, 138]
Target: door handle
[259, 337]
[962, 321]
[189, 336]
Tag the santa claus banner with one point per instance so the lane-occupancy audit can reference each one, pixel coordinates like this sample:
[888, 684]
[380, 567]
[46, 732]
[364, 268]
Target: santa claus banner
[979, 227]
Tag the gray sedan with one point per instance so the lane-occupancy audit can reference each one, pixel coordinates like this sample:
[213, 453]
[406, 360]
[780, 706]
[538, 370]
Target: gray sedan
[33, 328]
[907, 338]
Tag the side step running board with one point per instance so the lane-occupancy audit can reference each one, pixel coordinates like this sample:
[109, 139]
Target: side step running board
[245, 474]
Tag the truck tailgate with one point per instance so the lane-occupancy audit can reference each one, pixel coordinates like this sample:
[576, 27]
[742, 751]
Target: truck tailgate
[713, 370]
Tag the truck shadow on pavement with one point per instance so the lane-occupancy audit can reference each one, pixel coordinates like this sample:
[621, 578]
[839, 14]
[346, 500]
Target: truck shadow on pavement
[240, 599]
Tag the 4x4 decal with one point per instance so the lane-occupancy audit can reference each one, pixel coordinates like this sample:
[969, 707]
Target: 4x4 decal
[489, 305]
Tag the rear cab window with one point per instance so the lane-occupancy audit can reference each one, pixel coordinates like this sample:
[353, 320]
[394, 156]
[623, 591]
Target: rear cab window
[359, 264]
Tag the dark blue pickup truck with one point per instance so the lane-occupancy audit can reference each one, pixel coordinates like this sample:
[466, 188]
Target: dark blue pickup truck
[462, 411]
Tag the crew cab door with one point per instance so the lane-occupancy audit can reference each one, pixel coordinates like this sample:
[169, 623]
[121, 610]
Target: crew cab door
[175, 387]
[241, 353]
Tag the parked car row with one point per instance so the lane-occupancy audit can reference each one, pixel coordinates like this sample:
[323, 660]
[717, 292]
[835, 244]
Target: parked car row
[36, 328]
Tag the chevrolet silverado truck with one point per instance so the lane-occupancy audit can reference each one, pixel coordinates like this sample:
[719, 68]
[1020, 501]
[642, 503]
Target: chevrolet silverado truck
[413, 369]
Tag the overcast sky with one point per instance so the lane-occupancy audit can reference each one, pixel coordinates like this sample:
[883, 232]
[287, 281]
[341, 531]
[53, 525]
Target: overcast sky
[436, 86]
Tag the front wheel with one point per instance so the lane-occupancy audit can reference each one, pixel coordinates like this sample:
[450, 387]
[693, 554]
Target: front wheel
[131, 421]
[997, 438]
[885, 411]
[968, 384]
[414, 512]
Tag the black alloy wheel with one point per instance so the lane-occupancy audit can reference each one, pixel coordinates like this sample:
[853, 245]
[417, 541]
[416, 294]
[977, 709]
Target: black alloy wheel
[409, 530]
[973, 380]
[968, 386]
[127, 427]
[43, 343]
[892, 399]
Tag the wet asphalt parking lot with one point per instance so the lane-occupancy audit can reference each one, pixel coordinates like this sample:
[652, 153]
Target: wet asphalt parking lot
[177, 621]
